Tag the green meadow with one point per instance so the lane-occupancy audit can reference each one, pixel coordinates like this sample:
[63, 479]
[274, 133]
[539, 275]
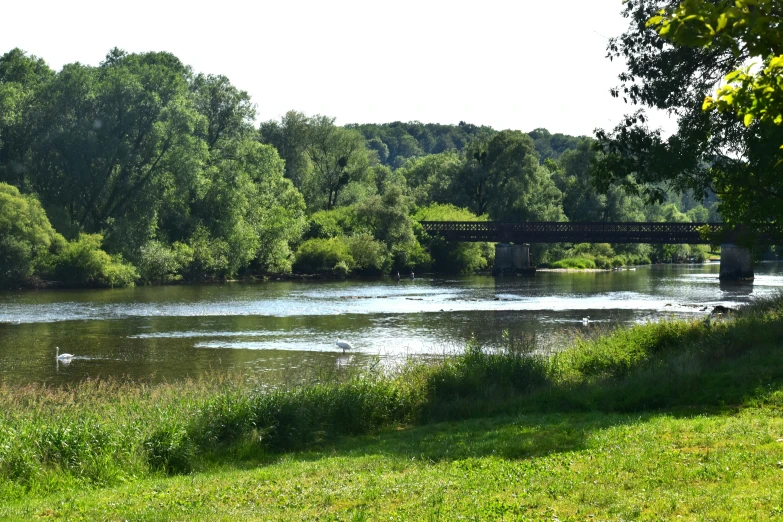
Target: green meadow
[673, 420]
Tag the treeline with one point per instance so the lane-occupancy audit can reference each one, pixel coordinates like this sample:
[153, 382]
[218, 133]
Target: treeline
[141, 170]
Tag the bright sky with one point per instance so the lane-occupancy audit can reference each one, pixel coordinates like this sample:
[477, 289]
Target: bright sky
[514, 64]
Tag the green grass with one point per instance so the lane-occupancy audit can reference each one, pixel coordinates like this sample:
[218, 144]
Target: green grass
[590, 261]
[573, 466]
[675, 418]
[573, 262]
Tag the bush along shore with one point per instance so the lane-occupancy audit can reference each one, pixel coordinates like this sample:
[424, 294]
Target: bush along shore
[718, 378]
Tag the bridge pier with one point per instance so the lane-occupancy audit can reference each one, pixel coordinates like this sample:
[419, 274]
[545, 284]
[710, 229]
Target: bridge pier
[512, 259]
[736, 263]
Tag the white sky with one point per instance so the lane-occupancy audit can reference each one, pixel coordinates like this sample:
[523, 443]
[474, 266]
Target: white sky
[517, 64]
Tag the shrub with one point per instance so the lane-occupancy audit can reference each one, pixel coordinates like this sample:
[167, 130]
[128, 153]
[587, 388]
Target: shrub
[341, 269]
[326, 224]
[602, 262]
[28, 243]
[411, 256]
[322, 255]
[209, 257]
[574, 262]
[451, 257]
[83, 262]
[161, 264]
[370, 256]
[618, 261]
[602, 249]
[699, 253]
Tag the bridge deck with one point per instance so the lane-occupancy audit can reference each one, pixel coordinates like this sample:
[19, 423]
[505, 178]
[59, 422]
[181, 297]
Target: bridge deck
[557, 232]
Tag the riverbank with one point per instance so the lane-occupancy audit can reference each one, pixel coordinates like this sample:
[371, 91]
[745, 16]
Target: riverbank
[640, 412]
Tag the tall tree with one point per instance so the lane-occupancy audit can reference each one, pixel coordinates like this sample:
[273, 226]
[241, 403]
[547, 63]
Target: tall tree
[21, 76]
[502, 177]
[290, 137]
[106, 136]
[228, 111]
[743, 27]
[712, 151]
[338, 156]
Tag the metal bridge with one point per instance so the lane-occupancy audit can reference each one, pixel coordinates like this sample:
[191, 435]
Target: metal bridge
[623, 232]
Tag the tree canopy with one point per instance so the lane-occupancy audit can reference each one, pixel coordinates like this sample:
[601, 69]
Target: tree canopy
[140, 169]
[743, 27]
[712, 152]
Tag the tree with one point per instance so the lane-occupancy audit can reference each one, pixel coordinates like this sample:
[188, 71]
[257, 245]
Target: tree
[28, 243]
[430, 177]
[712, 152]
[581, 201]
[290, 137]
[745, 28]
[107, 138]
[502, 177]
[228, 111]
[453, 257]
[21, 76]
[30, 247]
[338, 156]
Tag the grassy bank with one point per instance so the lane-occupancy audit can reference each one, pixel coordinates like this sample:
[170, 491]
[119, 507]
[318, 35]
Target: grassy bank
[649, 422]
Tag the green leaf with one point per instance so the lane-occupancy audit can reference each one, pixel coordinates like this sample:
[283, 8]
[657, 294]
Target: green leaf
[748, 119]
[655, 20]
[722, 21]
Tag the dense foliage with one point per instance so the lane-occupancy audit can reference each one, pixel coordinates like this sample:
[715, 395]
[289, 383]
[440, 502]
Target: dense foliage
[159, 172]
[30, 249]
[712, 152]
[750, 27]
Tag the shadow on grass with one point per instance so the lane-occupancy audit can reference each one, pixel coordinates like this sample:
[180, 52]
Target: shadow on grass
[513, 407]
[506, 437]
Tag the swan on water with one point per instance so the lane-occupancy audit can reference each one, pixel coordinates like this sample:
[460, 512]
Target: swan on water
[345, 345]
[62, 356]
[586, 320]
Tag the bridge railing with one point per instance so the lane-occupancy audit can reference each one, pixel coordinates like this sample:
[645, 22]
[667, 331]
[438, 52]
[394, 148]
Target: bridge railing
[594, 232]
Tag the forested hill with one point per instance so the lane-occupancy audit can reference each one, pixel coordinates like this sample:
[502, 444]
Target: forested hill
[140, 169]
[395, 142]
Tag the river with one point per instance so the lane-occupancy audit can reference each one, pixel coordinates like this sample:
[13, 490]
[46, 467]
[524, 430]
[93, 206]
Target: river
[167, 333]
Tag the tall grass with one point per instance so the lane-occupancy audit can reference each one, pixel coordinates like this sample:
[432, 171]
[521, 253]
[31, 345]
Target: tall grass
[99, 433]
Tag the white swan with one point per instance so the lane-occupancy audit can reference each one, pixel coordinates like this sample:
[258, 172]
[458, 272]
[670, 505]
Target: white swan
[345, 345]
[586, 320]
[62, 356]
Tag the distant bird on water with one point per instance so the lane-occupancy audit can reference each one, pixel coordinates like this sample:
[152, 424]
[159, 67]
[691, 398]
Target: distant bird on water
[586, 320]
[62, 356]
[345, 345]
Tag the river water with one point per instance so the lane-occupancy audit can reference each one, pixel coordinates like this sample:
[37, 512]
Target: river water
[167, 333]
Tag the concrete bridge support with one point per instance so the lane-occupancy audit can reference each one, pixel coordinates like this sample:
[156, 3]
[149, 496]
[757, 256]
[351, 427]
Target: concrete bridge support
[736, 263]
[520, 257]
[512, 259]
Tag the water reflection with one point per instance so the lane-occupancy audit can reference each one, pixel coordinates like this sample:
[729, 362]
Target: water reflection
[164, 333]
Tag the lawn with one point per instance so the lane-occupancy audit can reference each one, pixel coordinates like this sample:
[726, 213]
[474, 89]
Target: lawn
[578, 466]
[676, 420]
